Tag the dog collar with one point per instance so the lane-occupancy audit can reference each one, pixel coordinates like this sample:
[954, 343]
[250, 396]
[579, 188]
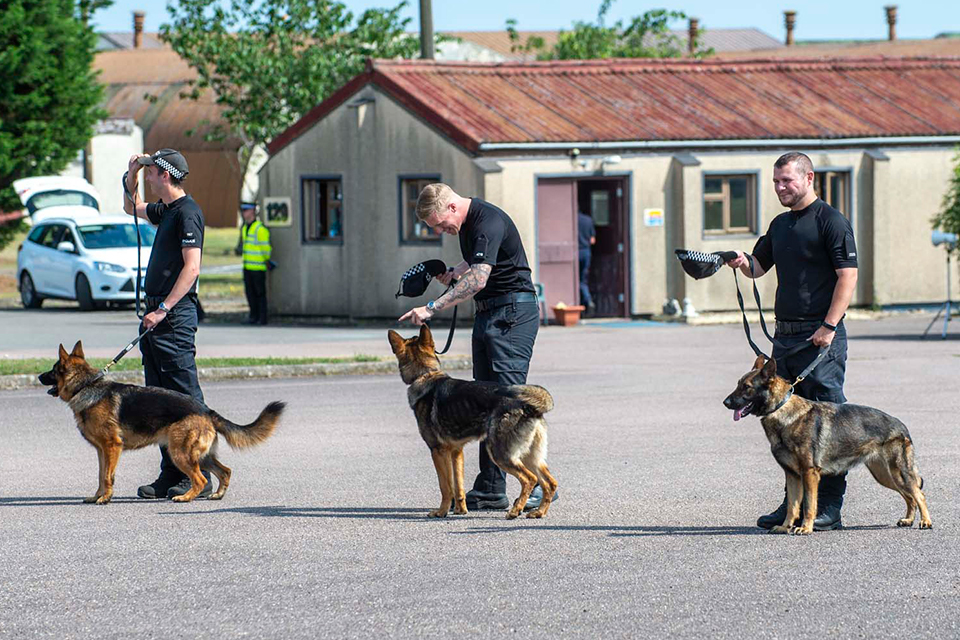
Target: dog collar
[784, 401]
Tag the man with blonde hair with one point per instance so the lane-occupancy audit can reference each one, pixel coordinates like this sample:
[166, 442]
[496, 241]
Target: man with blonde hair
[495, 273]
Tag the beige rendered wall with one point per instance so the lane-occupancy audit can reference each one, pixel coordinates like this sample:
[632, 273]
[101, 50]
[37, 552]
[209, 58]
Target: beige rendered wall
[908, 191]
[369, 146]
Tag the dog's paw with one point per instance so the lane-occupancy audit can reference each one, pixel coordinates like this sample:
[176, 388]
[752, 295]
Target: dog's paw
[181, 498]
[801, 531]
[926, 525]
[903, 522]
[535, 514]
[460, 511]
[438, 513]
[780, 529]
[92, 499]
[103, 500]
[512, 514]
[216, 496]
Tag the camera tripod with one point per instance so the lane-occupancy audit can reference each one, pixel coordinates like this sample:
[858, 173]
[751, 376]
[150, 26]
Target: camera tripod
[945, 308]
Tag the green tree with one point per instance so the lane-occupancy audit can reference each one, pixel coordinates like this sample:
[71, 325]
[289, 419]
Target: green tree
[49, 94]
[948, 219]
[270, 62]
[646, 36]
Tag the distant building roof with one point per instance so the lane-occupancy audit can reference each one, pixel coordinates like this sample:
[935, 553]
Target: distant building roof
[656, 100]
[499, 43]
[856, 49]
[114, 40]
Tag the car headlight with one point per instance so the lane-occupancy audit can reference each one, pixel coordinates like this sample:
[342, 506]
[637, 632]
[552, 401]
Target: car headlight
[106, 266]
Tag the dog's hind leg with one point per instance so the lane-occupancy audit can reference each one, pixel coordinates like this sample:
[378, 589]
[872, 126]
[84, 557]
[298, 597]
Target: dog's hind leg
[459, 497]
[443, 462]
[217, 468]
[882, 472]
[528, 480]
[536, 461]
[100, 476]
[912, 483]
[188, 443]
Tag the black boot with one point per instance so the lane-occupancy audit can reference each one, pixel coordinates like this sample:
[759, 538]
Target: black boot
[771, 520]
[829, 503]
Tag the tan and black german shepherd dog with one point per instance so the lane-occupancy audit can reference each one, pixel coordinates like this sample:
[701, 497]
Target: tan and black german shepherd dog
[114, 417]
[450, 413]
[809, 439]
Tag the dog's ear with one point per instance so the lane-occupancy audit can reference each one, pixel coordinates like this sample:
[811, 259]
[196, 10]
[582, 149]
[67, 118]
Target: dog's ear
[426, 338]
[396, 342]
[770, 369]
[77, 349]
[63, 354]
[759, 362]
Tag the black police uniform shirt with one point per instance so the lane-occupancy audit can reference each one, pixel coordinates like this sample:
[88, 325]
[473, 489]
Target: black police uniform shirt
[179, 224]
[488, 236]
[807, 247]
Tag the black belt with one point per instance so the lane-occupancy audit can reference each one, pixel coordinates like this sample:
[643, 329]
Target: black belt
[154, 301]
[501, 301]
[794, 328]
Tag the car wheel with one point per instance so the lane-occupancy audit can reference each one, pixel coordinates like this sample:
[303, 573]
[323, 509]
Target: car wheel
[28, 293]
[85, 295]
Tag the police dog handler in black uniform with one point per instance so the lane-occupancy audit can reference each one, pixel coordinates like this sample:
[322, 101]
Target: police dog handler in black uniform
[171, 293]
[495, 273]
[813, 249]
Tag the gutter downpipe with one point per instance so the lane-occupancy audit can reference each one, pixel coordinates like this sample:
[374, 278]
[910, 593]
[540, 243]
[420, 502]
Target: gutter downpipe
[702, 144]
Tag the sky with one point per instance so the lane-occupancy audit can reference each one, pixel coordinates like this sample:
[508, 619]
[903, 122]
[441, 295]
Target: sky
[816, 19]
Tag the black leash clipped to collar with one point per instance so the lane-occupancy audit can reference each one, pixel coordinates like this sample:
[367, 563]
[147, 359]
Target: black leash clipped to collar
[103, 372]
[414, 283]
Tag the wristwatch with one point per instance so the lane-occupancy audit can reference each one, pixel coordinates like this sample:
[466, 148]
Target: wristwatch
[826, 324]
[432, 306]
[163, 307]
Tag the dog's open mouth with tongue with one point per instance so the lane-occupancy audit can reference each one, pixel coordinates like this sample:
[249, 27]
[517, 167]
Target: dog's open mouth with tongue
[742, 411]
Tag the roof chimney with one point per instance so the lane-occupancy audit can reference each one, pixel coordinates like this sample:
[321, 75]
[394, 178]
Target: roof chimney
[693, 31]
[138, 28]
[789, 19]
[426, 30]
[892, 21]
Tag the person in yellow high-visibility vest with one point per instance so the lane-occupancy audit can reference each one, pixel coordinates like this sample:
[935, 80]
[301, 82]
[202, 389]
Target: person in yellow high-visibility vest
[255, 243]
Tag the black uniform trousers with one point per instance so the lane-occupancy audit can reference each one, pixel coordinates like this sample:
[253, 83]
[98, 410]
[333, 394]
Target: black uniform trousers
[255, 286]
[503, 340]
[824, 383]
[169, 353]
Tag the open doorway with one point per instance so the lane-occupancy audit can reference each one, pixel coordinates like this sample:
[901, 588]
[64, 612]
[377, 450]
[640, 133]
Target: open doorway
[559, 200]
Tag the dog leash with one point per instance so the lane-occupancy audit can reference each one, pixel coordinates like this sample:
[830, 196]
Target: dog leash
[136, 223]
[453, 322]
[789, 351]
[103, 372]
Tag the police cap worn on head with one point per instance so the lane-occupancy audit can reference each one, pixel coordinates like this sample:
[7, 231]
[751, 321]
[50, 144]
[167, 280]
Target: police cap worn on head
[414, 281]
[699, 265]
[170, 160]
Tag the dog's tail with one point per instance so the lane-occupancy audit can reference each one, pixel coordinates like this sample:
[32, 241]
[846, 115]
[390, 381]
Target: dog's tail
[240, 436]
[538, 398]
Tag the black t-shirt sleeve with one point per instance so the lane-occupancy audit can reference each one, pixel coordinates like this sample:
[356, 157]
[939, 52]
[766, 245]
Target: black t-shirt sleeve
[487, 237]
[191, 228]
[763, 250]
[838, 240]
[155, 211]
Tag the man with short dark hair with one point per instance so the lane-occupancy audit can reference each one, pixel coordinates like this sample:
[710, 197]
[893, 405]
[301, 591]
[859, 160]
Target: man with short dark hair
[813, 249]
[495, 273]
[170, 289]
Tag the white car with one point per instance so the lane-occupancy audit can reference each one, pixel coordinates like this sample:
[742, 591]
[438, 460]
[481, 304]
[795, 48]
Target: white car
[57, 197]
[92, 260]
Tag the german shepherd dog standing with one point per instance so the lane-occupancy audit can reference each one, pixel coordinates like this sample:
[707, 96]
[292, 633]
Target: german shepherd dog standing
[810, 439]
[451, 413]
[114, 417]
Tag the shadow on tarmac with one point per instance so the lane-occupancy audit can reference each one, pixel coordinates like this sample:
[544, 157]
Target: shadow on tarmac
[54, 501]
[378, 513]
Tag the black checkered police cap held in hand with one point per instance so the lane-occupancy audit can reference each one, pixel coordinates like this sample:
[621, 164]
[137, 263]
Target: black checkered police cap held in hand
[170, 160]
[416, 279]
[699, 265]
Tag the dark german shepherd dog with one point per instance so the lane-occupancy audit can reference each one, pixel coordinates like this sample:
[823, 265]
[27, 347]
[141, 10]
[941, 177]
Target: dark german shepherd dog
[114, 417]
[451, 413]
[810, 439]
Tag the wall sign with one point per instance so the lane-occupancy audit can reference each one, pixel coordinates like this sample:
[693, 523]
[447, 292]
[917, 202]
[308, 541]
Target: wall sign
[653, 217]
[277, 212]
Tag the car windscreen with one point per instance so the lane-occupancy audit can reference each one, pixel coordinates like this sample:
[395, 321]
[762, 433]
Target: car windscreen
[112, 236]
[59, 197]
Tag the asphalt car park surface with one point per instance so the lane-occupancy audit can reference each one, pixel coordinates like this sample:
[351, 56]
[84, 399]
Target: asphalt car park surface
[324, 530]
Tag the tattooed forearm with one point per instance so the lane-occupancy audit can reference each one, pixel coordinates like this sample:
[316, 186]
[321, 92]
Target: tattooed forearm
[470, 284]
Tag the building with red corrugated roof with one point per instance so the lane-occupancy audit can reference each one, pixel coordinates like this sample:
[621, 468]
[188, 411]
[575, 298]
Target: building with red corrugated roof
[663, 154]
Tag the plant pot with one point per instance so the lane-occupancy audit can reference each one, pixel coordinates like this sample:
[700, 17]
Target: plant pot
[568, 316]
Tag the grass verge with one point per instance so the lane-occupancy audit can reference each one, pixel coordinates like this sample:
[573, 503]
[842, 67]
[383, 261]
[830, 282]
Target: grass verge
[39, 365]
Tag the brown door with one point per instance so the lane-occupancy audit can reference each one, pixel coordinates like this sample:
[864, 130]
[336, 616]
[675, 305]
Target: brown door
[609, 274]
[557, 241]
